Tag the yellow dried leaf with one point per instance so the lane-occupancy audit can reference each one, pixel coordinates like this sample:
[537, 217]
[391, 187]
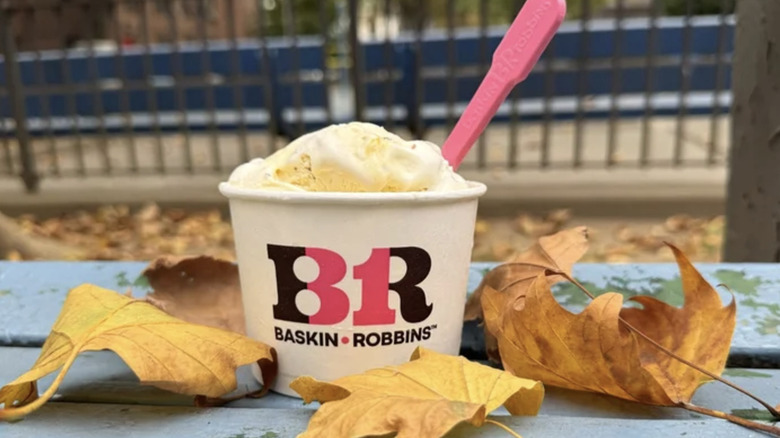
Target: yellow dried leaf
[425, 397]
[597, 351]
[162, 351]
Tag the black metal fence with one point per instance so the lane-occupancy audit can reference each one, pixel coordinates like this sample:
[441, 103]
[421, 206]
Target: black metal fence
[109, 87]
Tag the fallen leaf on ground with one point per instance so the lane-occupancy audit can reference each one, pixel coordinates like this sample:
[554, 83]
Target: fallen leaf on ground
[161, 350]
[202, 290]
[425, 397]
[596, 351]
[557, 252]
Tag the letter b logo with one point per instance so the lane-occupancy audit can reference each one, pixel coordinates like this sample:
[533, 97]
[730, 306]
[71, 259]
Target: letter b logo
[374, 274]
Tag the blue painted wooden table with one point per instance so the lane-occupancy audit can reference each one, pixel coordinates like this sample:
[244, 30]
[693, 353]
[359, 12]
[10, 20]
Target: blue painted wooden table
[100, 396]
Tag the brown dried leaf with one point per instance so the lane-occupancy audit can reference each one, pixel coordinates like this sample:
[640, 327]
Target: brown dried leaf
[598, 351]
[558, 252]
[560, 216]
[202, 290]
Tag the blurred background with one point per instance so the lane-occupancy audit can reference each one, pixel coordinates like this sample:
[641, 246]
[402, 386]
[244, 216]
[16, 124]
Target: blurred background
[119, 117]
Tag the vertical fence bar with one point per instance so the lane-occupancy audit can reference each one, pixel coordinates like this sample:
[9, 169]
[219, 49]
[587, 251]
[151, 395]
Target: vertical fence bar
[514, 114]
[547, 115]
[390, 69]
[265, 73]
[484, 65]
[582, 83]
[7, 154]
[417, 121]
[205, 62]
[326, 83]
[356, 69]
[291, 24]
[124, 96]
[714, 144]
[644, 149]
[177, 68]
[151, 92]
[617, 85]
[67, 84]
[685, 82]
[43, 101]
[451, 65]
[13, 78]
[92, 12]
[237, 80]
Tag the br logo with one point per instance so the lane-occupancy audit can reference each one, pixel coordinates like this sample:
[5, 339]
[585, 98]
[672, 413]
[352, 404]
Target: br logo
[374, 275]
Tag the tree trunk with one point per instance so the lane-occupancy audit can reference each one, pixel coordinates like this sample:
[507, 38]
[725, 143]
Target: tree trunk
[753, 205]
[13, 238]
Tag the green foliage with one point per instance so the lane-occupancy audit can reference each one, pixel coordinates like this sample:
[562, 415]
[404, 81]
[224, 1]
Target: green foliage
[698, 7]
[305, 14]
[436, 13]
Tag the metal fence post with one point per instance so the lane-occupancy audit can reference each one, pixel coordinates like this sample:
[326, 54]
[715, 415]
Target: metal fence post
[16, 96]
[356, 70]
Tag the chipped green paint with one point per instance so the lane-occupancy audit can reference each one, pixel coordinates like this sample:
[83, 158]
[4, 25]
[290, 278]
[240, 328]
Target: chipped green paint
[140, 282]
[769, 326]
[270, 435]
[570, 295]
[4, 292]
[773, 308]
[666, 290]
[121, 279]
[754, 414]
[738, 282]
[741, 372]
[51, 290]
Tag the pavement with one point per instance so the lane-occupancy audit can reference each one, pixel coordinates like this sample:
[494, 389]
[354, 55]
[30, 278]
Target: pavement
[694, 186]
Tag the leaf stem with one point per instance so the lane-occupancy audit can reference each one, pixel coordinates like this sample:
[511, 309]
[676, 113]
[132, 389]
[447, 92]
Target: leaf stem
[733, 418]
[503, 426]
[544, 268]
[714, 376]
[17, 412]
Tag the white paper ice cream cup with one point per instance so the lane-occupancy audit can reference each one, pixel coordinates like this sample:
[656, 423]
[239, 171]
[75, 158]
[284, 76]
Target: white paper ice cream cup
[339, 283]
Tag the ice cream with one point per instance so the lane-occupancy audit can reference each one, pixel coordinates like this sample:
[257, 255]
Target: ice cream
[351, 157]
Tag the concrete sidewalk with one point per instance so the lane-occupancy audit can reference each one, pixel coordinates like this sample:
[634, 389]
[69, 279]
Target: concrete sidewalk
[625, 193]
[658, 191]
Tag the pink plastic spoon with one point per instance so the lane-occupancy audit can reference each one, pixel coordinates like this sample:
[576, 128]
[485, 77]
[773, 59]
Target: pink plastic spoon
[515, 56]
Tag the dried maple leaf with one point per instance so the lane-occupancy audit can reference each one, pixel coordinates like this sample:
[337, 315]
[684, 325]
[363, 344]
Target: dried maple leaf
[202, 290]
[557, 252]
[599, 349]
[425, 397]
[162, 351]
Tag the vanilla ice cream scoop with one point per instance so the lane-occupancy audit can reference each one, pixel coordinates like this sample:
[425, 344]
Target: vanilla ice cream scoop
[351, 157]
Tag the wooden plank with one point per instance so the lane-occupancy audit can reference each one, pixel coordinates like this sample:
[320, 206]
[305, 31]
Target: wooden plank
[101, 377]
[32, 293]
[69, 420]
